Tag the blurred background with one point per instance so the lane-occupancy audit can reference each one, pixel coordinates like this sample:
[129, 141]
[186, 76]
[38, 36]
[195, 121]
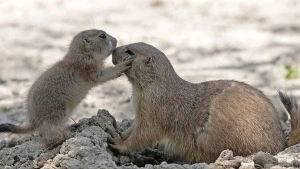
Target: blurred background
[257, 42]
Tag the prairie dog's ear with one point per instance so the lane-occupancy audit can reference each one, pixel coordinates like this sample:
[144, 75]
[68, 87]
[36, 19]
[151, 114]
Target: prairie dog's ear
[148, 60]
[86, 40]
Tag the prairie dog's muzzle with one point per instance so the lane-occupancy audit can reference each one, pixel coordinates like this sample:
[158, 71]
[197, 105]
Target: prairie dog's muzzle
[116, 58]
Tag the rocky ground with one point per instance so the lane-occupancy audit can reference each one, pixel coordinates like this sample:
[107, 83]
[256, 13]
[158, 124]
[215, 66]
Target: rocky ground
[88, 149]
[257, 42]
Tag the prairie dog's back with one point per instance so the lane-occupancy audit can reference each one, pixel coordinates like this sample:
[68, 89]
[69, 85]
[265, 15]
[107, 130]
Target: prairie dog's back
[66, 92]
[241, 119]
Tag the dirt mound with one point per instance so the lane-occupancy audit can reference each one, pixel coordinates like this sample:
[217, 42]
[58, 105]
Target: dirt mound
[87, 148]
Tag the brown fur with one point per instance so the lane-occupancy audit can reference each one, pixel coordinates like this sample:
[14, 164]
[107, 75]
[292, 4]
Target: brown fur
[194, 122]
[293, 108]
[56, 93]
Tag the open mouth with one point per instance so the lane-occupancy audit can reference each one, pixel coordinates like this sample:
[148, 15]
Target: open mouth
[114, 47]
[112, 50]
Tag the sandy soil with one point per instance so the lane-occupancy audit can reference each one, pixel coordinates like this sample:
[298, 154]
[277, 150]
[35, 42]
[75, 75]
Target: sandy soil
[250, 41]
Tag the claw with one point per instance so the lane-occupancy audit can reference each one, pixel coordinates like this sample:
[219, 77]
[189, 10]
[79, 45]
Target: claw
[114, 140]
[112, 133]
[128, 57]
[114, 149]
[53, 146]
[111, 140]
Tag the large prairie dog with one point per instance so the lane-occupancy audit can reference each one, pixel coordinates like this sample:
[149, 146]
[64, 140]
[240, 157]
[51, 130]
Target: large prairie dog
[57, 92]
[195, 122]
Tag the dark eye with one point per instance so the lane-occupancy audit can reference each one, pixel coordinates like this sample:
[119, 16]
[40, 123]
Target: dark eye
[102, 35]
[129, 52]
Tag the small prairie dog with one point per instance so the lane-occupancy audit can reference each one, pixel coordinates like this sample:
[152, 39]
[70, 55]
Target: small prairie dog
[56, 93]
[196, 122]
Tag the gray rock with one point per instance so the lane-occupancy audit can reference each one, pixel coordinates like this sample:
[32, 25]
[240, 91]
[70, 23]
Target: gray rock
[264, 160]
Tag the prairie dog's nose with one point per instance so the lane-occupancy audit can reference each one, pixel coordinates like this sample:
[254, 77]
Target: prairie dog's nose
[114, 41]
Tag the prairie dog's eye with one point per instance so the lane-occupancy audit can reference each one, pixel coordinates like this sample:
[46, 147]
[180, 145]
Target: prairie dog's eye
[102, 35]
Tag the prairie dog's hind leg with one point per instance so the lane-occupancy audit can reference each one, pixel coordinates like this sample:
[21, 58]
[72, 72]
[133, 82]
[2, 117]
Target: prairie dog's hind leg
[54, 135]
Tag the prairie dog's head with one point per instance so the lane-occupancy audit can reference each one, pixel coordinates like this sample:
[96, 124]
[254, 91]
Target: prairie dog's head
[149, 64]
[93, 43]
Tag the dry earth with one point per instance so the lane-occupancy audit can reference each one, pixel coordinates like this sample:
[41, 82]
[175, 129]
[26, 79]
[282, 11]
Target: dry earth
[251, 41]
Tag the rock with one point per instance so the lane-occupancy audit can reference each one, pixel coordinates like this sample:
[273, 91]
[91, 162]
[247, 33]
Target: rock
[296, 163]
[225, 155]
[226, 160]
[264, 160]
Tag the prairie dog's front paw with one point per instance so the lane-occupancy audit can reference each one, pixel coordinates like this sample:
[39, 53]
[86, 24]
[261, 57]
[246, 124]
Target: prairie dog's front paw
[115, 143]
[125, 65]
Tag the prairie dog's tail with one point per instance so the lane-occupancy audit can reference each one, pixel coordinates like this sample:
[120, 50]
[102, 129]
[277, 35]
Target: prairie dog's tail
[7, 127]
[293, 108]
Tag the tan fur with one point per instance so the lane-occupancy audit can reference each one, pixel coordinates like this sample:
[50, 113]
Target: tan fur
[56, 93]
[194, 122]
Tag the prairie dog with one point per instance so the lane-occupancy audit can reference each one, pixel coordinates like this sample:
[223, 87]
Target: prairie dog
[196, 122]
[56, 93]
